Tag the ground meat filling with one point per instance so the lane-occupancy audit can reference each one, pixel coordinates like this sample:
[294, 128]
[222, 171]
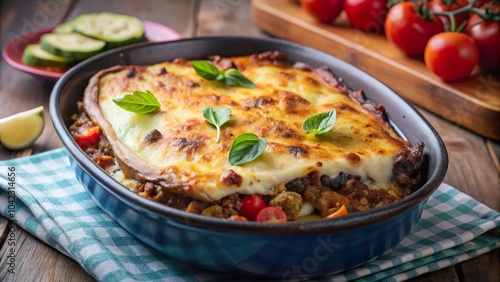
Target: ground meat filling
[101, 152]
[407, 163]
[289, 202]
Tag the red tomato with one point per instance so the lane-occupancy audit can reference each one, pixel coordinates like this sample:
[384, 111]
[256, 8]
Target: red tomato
[440, 6]
[251, 205]
[487, 37]
[87, 136]
[325, 11]
[271, 214]
[407, 30]
[366, 15]
[451, 55]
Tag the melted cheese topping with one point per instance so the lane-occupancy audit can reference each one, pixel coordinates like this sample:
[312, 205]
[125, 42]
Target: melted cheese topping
[359, 143]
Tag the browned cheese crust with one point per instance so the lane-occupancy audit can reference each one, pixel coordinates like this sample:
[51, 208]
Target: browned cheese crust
[327, 191]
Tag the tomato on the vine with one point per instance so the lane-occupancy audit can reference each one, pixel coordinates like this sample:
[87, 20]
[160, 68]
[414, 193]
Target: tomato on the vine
[325, 11]
[451, 55]
[407, 30]
[366, 15]
[487, 37]
[271, 214]
[441, 6]
[251, 205]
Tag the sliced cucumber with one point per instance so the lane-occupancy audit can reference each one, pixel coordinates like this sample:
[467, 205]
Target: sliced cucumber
[116, 30]
[72, 45]
[34, 55]
[64, 28]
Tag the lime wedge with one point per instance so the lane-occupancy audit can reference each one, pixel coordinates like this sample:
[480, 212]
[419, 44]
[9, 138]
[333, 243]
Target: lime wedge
[21, 130]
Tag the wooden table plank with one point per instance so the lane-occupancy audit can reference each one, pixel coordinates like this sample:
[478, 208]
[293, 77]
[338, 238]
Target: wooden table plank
[494, 149]
[447, 274]
[482, 268]
[3, 232]
[20, 17]
[226, 17]
[471, 168]
[36, 261]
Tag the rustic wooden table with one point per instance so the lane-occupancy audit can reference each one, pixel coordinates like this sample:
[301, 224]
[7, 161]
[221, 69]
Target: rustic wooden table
[474, 161]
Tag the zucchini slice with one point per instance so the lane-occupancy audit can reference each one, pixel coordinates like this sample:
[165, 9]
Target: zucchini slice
[34, 55]
[66, 27]
[117, 30]
[72, 45]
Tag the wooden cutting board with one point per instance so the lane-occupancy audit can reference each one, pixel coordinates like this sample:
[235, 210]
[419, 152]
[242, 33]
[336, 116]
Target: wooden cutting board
[473, 103]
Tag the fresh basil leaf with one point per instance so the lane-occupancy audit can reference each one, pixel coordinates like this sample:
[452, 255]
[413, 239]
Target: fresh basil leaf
[320, 123]
[217, 117]
[138, 102]
[206, 70]
[246, 148]
[231, 76]
[234, 77]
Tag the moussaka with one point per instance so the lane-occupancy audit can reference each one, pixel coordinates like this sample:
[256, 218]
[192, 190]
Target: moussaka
[245, 138]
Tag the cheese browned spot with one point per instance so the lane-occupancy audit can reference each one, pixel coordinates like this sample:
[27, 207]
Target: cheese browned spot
[153, 136]
[185, 159]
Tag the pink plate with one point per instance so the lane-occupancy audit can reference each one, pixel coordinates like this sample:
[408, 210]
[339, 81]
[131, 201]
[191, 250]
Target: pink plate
[13, 51]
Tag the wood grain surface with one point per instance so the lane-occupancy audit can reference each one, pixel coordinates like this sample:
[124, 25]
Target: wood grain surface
[474, 160]
[473, 102]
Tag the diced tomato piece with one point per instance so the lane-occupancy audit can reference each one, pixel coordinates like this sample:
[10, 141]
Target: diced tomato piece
[251, 205]
[87, 136]
[237, 218]
[271, 214]
[338, 213]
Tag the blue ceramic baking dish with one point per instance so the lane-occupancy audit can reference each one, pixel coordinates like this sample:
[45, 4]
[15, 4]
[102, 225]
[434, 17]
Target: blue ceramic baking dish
[281, 250]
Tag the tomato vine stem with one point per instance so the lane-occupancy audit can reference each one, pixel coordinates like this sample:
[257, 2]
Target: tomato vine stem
[486, 14]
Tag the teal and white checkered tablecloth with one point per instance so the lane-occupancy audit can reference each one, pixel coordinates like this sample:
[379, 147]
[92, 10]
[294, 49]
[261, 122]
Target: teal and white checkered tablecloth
[53, 206]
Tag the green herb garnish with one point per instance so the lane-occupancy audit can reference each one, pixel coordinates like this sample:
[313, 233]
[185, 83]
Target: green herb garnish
[246, 148]
[231, 76]
[217, 117]
[138, 102]
[206, 70]
[320, 123]
[234, 77]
